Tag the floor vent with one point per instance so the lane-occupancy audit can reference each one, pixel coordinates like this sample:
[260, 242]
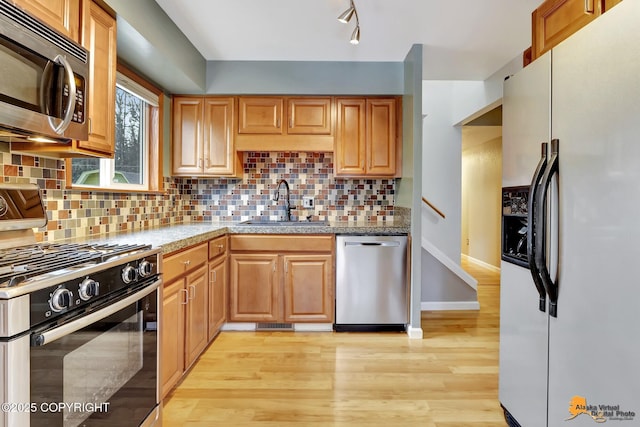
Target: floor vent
[274, 326]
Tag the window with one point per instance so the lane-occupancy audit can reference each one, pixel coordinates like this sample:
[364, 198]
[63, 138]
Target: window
[136, 143]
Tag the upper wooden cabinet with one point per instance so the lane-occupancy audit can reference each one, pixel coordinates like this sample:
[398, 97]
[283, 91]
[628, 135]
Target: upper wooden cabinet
[275, 123]
[99, 37]
[203, 140]
[61, 15]
[555, 20]
[368, 139]
[309, 116]
[260, 115]
[304, 115]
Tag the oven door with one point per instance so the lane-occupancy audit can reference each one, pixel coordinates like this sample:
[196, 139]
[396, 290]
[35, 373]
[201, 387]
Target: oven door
[100, 369]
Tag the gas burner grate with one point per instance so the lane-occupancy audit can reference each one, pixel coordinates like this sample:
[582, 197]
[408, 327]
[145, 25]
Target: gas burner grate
[21, 263]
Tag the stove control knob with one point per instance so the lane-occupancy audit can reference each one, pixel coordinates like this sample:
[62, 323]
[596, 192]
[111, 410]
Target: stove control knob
[88, 288]
[129, 274]
[61, 298]
[145, 268]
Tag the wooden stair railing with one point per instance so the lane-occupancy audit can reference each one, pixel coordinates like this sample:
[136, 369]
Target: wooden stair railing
[436, 210]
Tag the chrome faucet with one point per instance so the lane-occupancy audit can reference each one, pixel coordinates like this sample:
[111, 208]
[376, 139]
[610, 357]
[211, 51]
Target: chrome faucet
[287, 203]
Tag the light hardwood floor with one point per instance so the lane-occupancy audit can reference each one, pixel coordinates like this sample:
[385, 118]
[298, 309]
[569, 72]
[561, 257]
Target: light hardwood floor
[447, 379]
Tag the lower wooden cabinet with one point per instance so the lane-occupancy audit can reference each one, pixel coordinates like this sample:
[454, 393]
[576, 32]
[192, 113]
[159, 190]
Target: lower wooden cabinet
[308, 288]
[185, 308]
[196, 323]
[217, 296]
[254, 291]
[281, 279]
[172, 335]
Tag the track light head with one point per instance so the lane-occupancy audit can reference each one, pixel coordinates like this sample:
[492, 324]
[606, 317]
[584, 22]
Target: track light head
[355, 36]
[345, 17]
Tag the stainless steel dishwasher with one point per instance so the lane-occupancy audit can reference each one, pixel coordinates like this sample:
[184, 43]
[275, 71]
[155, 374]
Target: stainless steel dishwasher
[371, 283]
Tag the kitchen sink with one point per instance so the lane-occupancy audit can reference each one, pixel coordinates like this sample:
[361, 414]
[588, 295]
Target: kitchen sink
[267, 223]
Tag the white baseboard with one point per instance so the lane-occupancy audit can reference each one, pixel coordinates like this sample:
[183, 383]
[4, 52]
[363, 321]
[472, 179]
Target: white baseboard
[313, 327]
[449, 305]
[238, 326]
[481, 263]
[301, 327]
[414, 333]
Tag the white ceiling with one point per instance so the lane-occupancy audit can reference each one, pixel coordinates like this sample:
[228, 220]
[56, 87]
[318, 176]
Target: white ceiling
[463, 39]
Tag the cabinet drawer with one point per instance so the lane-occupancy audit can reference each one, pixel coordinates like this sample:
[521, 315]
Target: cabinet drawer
[282, 243]
[217, 247]
[182, 262]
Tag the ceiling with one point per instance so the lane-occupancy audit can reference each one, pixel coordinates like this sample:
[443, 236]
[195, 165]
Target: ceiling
[463, 39]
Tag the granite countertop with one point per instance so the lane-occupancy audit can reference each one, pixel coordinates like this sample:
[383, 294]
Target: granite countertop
[175, 237]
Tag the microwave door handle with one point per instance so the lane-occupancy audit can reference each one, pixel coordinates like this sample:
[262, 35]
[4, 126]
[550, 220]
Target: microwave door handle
[46, 84]
[59, 129]
[532, 228]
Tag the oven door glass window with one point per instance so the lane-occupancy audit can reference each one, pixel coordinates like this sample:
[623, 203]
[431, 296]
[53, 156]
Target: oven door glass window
[103, 374]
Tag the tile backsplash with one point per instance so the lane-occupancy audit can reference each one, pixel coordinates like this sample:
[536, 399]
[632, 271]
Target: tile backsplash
[308, 174]
[76, 213]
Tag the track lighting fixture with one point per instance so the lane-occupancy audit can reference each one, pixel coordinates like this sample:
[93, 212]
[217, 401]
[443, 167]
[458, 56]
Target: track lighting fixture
[345, 17]
[355, 36]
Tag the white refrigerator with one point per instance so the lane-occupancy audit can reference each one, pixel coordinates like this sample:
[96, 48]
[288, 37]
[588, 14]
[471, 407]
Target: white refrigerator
[577, 363]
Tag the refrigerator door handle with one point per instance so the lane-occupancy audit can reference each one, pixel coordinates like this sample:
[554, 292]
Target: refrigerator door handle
[532, 229]
[541, 224]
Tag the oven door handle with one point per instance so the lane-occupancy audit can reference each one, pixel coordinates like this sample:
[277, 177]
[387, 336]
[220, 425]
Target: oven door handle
[51, 335]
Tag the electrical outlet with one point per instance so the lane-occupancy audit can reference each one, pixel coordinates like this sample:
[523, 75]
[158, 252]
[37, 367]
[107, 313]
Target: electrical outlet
[307, 202]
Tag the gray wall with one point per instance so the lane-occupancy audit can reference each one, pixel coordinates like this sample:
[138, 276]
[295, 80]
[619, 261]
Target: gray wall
[304, 78]
[150, 43]
[409, 187]
[442, 285]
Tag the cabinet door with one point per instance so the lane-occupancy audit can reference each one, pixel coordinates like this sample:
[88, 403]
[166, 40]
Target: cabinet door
[261, 115]
[99, 37]
[381, 137]
[350, 151]
[62, 15]
[217, 297]
[254, 294]
[218, 134]
[309, 116]
[555, 20]
[308, 288]
[608, 4]
[172, 334]
[197, 333]
[187, 135]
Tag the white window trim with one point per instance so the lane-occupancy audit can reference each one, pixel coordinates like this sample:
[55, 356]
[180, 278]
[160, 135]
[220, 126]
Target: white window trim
[106, 179]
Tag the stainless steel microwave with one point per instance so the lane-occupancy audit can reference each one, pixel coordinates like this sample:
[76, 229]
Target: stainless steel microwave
[44, 77]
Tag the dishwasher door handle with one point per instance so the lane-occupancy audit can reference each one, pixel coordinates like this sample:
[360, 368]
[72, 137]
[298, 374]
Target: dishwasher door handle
[392, 244]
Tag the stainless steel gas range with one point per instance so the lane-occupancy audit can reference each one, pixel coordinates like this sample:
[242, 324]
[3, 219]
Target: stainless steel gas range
[78, 326]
